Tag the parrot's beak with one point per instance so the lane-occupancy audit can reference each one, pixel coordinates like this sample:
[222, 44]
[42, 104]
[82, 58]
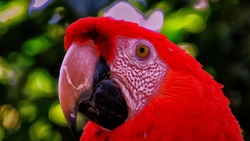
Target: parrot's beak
[76, 79]
[85, 85]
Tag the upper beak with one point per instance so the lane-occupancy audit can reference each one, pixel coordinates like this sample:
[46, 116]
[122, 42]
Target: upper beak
[85, 85]
[76, 79]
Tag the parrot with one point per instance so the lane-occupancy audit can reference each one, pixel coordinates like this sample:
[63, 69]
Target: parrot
[134, 84]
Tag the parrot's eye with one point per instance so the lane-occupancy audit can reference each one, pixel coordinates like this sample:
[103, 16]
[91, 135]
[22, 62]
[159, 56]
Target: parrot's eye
[142, 50]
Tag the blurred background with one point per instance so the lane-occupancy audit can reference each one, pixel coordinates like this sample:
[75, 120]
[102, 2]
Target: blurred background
[215, 32]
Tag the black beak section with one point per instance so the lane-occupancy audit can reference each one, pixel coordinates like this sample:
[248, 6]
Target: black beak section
[85, 86]
[106, 106]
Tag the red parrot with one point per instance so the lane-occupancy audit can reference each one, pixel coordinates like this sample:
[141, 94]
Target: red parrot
[133, 84]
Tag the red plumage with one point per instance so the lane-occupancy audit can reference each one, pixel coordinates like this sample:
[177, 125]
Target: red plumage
[189, 104]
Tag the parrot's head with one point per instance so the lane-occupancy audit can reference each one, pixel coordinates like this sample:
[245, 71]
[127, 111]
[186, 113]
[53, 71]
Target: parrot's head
[113, 68]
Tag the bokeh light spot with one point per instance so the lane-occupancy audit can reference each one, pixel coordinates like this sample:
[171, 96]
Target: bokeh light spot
[38, 4]
[9, 117]
[172, 28]
[12, 12]
[21, 61]
[36, 45]
[56, 31]
[164, 6]
[57, 16]
[28, 111]
[189, 48]
[40, 84]
[7, 73]
[201, 5]
[193, 23]
[42, 131]
[56, 115]
[173, 24]
[178, 24]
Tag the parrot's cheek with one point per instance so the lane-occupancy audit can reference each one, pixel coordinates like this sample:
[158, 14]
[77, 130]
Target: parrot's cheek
[85, 86]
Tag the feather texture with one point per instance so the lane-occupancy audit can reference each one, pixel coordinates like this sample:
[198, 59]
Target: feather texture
[189, 104]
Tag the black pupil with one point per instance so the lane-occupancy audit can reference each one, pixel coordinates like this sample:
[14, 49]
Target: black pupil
[142, 50]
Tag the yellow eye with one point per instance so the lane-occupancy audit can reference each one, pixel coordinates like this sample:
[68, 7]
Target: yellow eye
[142, 51]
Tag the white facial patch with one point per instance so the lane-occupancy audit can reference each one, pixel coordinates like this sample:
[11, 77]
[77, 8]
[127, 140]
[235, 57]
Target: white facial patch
[139, 78]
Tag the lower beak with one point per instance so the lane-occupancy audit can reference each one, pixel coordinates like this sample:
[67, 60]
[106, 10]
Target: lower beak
[76, 79]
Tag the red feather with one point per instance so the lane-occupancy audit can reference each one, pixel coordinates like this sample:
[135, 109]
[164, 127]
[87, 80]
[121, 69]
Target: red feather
[189, 105]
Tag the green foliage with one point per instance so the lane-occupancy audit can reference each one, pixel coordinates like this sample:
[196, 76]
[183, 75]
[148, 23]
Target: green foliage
[31, 52]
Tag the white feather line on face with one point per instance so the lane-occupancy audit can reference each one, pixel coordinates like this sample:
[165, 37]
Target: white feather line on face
[125, 11]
